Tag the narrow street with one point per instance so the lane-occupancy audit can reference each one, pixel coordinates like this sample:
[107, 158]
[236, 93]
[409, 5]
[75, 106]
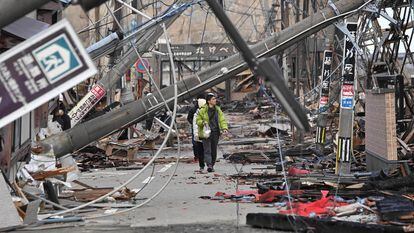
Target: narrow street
[207, 116]
[180, 207]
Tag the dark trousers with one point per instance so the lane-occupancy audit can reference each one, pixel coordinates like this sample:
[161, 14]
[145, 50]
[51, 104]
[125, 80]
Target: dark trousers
[199, 153]
[194, 143]
[210, 148]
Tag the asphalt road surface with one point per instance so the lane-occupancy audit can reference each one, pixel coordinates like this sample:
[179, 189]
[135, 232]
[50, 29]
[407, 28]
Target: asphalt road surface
[179, 208]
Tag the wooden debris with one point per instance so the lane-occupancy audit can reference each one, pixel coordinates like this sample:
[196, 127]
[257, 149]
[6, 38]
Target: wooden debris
[92, 194]
[42, 175]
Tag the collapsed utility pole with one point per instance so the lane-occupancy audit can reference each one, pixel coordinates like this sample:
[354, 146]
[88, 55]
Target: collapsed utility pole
[119, 69]
[85, 133]
[346, 117]
[263, 67]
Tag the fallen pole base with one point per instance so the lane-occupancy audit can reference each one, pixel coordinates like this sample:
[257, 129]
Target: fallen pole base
[326, 225]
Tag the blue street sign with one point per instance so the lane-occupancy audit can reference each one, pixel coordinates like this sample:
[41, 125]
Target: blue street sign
[347, 102]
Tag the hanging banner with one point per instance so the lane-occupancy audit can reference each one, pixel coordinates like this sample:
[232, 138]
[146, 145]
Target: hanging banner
[324, 96]
[82, 108]
[41, 68]
[326, 73]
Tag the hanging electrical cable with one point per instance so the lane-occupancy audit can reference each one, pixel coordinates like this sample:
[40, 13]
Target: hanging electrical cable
[201, 44]
[98, 21]
[147, 165]
[178, 139]
[189, 26]
[237, 24]
[282, 163]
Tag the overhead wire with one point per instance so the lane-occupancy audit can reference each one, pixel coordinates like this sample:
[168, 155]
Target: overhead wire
[316, 88]
[151, 175]
[101, 25]
[201, 43]
[238, 22]
[282, 163]
[246, 13]
[106, 16]
[239, 172]
[140, 58]
[90, 20]
[264, 53]
[96, 22]
[166, 138]
[189, 25]
[221, 44]
[270, 21]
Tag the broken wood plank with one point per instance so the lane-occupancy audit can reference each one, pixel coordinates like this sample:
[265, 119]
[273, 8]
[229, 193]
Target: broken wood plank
[20, 193]
[46, 174]
[90, 194]
[83, 184]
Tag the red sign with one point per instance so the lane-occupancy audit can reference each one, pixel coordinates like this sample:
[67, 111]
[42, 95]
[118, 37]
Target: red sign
[348, 90]
[86, 103]
[323, 101]
[98, 91]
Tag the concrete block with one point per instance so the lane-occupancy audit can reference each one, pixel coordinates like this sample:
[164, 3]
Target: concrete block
[9, 217]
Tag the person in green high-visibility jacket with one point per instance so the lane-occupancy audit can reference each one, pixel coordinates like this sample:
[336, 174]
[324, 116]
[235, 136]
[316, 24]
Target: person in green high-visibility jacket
[211, 116]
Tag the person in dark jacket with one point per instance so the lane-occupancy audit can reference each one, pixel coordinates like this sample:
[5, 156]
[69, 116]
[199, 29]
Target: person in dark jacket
[60, 116]
[198, 144]
[190, 117]
[211, 116]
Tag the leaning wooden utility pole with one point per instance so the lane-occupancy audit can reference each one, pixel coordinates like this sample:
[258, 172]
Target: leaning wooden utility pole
[323, 101]
[346, 117]
[85, 133]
